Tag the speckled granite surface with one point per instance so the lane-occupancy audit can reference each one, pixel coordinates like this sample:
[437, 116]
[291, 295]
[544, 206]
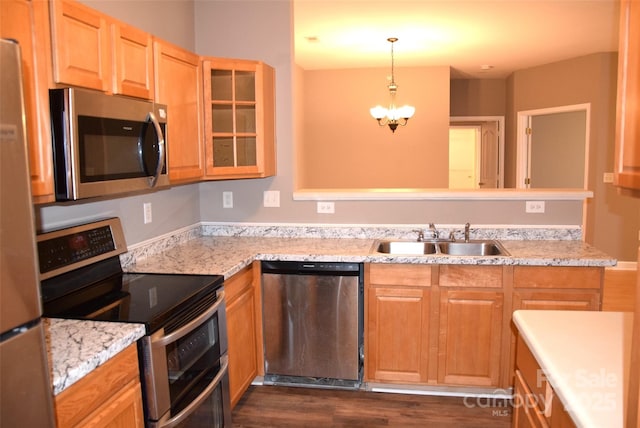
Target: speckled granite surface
[78, 347]
[227, 255]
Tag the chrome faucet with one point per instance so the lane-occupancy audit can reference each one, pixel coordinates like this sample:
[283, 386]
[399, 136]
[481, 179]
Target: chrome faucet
[466, 232]
[433, 230]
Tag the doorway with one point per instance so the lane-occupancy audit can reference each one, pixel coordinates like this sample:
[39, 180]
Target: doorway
[552, 147]
[489, 151]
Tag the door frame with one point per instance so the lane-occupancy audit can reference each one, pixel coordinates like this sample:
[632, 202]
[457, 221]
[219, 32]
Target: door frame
[500, 120]
[522, 139]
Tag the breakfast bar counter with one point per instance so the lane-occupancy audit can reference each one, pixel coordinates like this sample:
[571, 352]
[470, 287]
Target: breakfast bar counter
[585, 357]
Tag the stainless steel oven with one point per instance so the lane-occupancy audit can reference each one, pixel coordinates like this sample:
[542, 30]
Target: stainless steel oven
[106, 144]
[183, 356]
[186, 369]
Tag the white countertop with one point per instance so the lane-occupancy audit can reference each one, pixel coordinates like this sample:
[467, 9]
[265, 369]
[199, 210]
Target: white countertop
[585, 356]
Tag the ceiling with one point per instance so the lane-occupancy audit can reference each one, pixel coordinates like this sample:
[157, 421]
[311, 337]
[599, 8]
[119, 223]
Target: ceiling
[506, 35]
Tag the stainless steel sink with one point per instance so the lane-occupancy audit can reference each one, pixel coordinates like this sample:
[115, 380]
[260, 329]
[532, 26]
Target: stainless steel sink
[407, 247]
[472, 248]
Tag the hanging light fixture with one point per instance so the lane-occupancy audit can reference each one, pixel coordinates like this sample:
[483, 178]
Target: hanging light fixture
[392, 116]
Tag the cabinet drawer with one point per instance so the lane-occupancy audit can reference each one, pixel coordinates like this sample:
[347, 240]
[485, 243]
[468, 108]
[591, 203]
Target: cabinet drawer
[557, 277]
[235, 286]
[471, 276]
[534, 378]
[414, 275]
[527, 412]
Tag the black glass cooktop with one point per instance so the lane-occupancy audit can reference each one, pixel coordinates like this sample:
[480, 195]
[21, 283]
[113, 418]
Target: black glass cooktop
[102, 292]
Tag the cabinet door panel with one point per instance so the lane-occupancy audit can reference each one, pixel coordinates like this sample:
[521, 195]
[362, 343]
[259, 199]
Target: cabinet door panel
[132, 61]
[239, 118]
[242, 319]
[28, 23]
[398, 334]
[628, 110]
[178, 85]
[242, 344]
[470, 337]
[80, 45]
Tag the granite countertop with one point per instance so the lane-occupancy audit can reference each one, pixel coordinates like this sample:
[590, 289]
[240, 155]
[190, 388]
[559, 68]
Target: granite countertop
[227, 255]
[585, 357]
[78, 347]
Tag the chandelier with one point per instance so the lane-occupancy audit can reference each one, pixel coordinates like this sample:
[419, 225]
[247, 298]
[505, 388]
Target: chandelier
[392, 116]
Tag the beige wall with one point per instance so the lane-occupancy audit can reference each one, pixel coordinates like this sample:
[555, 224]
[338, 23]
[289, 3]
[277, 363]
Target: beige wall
[478, 97]
[171, 20]
[342, 146]
[613, 220]
[262, 29]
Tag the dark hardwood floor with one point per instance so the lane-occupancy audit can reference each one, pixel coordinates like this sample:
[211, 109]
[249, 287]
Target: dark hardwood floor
[277, 406]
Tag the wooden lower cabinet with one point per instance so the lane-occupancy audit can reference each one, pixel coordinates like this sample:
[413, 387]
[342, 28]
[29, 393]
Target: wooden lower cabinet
[561, 288]
[110, 396]
[535, 404]
[242, 297]
[470, 340]
[398, 302]
[450, 325]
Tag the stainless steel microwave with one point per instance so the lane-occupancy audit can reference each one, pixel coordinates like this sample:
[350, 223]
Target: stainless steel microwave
[106, 144]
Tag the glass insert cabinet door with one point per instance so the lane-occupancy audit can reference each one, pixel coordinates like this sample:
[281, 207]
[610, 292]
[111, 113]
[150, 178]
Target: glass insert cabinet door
[239, 118]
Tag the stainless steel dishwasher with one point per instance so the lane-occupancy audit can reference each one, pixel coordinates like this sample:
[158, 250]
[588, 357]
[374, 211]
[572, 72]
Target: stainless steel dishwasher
[313, 323]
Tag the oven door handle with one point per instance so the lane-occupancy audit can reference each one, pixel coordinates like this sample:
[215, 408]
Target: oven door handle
[200, 398]
[191, 326]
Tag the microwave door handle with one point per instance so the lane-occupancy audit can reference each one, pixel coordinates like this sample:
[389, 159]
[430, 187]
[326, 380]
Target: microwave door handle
[151, 117]
[191, 326]
[200, 398]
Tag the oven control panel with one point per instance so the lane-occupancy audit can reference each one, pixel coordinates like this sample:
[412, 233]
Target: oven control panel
[74, 247]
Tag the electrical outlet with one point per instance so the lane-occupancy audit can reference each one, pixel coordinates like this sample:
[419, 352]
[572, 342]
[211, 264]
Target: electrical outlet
[535, 207]
[326, 208]
[227, 199]
[271, 198]
[607, 177]
[147, 212]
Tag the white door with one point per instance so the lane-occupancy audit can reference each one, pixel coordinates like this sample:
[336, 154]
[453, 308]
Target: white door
[464, 147]
[489, 156]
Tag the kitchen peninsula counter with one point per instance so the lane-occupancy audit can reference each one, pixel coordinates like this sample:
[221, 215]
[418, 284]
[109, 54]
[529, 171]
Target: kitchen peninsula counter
[226, 255]
[585, 356]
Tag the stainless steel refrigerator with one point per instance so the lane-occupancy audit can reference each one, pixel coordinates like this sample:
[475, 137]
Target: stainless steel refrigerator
[25, 384]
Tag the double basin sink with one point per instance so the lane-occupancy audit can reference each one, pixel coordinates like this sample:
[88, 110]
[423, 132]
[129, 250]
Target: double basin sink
[449, 248]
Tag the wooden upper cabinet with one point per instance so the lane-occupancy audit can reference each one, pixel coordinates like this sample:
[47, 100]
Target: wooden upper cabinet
[80, 43]
[18, 19]
[627, 168]
[133, 61]
[239, 118]
[178, 84]
[95, 51]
